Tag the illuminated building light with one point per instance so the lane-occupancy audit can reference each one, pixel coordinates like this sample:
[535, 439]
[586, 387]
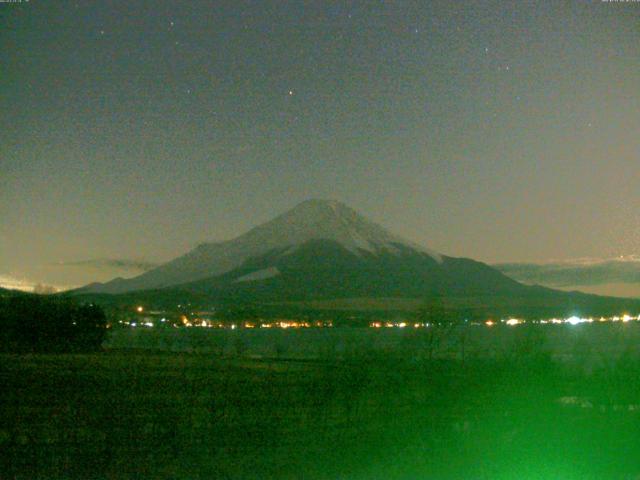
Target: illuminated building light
[626, 318]
[489, 323]
[576, 320]
[513, 321]
[402, 325]
[140, 309]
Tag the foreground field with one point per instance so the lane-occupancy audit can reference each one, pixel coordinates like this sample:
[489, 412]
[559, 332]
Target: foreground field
[376, 415]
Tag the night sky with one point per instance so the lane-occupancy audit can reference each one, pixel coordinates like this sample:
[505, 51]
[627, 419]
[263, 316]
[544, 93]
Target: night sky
[132, 131]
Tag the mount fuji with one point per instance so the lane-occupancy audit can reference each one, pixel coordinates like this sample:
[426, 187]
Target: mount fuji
[318, 231]
[323, 250]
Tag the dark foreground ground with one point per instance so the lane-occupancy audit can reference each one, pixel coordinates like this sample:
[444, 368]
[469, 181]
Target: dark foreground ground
[151, 415]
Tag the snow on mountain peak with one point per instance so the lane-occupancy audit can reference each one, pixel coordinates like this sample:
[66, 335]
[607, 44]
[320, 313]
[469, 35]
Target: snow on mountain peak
[329, 220]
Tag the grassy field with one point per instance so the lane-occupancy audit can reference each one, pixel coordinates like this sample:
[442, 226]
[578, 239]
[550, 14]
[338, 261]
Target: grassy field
[371, 414]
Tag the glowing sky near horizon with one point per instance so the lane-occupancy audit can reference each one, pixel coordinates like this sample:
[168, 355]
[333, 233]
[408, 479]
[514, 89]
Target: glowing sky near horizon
[501, 130]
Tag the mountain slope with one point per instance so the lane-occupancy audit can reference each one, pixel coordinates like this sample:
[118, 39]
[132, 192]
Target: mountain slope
[322, 275]
[321, 272]
[322, 269]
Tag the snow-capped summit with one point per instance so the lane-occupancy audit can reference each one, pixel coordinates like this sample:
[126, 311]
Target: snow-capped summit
[310, 220]
[326, 220]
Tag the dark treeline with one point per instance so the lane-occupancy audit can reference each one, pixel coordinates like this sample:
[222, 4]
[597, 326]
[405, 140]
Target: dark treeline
[35, 323]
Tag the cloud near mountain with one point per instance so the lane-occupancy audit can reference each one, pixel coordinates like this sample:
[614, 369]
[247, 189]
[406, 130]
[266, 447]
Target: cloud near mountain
[10, 282]
[82, 269]
[112, 263]
[578, 272]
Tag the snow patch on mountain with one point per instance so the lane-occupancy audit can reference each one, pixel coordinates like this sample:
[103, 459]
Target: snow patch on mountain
[259, 275]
